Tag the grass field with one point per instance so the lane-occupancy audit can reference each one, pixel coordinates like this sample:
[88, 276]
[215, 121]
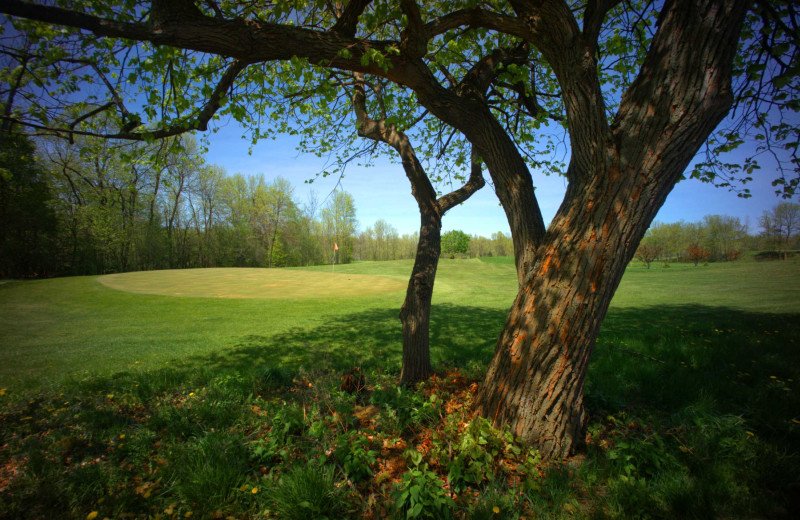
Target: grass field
[131, 398]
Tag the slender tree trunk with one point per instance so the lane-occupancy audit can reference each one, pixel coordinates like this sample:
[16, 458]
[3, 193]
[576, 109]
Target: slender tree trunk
[416, 310]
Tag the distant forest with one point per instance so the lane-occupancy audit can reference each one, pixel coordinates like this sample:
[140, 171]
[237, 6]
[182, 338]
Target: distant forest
[98, 206]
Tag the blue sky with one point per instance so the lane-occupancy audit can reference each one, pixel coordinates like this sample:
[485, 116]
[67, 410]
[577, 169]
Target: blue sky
[383, 191]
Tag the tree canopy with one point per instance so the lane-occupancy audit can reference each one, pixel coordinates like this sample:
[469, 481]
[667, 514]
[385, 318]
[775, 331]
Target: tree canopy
[455, 242]
[636, 88]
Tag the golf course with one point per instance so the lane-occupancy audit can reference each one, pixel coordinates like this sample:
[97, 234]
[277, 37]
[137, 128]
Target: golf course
[216, 393]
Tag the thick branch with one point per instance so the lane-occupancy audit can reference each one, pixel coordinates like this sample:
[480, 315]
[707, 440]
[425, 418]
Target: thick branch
[484, 73]
[573, 61]
[348, 22]
[421, 186]
[479, 18]
[475, 182]
[248, 40]
[593, 17]
[415, 40]
[684, 85]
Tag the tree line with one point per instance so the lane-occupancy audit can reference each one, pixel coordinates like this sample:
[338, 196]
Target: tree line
[721, 237]
[98, 206]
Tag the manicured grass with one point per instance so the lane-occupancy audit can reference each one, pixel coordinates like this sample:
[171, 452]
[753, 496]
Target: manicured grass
[123, 403]
[68, 326]
[251, 283]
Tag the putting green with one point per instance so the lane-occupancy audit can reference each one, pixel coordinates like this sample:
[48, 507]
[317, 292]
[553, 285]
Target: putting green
[250, 283]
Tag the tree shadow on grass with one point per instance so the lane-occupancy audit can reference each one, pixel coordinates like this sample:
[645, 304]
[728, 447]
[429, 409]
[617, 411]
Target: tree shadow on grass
[660, 361]
[370, 339]
[665, 358]
[740, 363]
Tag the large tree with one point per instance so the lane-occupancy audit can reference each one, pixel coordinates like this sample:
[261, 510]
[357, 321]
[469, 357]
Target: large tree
[641, 87]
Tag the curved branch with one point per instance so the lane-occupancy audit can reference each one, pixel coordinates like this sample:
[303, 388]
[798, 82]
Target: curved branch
[421, 186]
[593, 18]
[248, 40]
[199, 123]
[480, 18]
[475, 182]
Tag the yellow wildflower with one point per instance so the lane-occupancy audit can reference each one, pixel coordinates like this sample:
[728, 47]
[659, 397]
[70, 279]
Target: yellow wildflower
[92, 515]
[254, 490]
[496, 510]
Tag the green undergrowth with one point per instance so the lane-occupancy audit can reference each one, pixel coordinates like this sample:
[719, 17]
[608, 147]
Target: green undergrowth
[703, 427]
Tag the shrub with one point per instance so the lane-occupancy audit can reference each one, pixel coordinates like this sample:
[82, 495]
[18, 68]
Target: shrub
[494, 503]
[286, 422]
[411, 408]
[476, 455]
[647, 253]
[421, 494]
[353, 454]
[697, 254]
[269, 378]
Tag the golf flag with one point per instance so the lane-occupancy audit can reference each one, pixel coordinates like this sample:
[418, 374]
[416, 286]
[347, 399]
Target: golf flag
[335, 247]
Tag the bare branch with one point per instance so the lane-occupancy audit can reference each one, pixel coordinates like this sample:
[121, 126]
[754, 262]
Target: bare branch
[199, 123]
[214, 7]
[91, 114]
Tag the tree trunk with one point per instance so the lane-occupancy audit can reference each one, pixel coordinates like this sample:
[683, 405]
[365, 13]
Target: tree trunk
[416, 310]
[535, 380]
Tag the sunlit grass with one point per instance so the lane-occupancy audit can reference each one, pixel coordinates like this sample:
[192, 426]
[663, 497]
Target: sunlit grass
[251, 283]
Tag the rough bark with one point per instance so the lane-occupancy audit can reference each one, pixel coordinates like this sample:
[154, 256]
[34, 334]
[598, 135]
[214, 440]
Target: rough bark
[512, 179]
[535, 380]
